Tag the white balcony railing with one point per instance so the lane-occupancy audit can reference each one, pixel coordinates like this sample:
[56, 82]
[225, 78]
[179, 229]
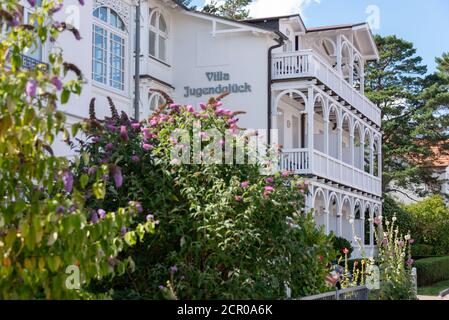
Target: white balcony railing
[306, 64]
[300, 161]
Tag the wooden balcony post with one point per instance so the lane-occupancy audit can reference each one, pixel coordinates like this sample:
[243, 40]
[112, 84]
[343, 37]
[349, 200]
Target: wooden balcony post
[310, 125]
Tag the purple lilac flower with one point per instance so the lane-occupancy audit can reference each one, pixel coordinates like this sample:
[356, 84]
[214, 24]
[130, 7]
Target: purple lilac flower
[219, 111]
[203, 106]
[124, 133]
[218, 104]
[135, 125]
[269, 180]
[31, 88]
[150, 217]
[244, 184]
[67, 179]
[410, 262]
[285, 174]
[95, 139]
[190, 109]
[117, 175]
[81, 2]
[57, 7]
[112, 128]
[154, 122]
[109, 146]
[173, 269]
[123, 231]
[94, 218]
[101, 213]
[147, 146]
[60, 209]
[268, 188]
[32, 3]
[56, 82]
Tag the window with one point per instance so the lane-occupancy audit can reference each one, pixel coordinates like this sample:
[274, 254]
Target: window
[155, 100]
[108, 50]
[158, 36]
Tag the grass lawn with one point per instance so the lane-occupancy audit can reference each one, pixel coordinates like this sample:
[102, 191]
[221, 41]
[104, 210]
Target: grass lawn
[434, 290]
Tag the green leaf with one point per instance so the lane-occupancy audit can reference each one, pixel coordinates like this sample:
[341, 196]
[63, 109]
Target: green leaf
[84, 180]
[65, 96]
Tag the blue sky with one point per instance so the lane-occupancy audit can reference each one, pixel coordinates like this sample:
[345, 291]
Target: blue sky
[425, 23]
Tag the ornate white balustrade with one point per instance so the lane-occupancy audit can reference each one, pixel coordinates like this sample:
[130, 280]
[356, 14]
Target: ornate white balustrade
[302, 161]
[306, 64]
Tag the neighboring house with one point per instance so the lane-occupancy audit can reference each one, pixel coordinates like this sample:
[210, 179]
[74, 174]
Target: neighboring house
[440, 168]
[307, 83]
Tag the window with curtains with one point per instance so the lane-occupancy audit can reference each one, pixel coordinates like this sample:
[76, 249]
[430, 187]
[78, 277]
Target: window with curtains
[158, 36]
[109, 40]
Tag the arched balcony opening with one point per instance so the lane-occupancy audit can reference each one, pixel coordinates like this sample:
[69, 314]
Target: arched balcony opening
[367, 154]
[291, 120]
[358, 221]
[318, 125]
[346, 139]
[333, 132]
[358, 72]
[376, 156]
[358, 147]
[319, 205]
[334, 214]
[376, 213]
[346, 227]
[368, 226]
[346, 62]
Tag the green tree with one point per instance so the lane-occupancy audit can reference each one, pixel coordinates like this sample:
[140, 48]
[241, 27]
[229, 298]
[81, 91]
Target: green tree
[233, 9]
[51, 245]
[411, 124]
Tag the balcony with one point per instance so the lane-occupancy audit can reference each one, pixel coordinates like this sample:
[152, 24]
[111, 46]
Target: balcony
[306, 64]
[305, 162]
[30, 63]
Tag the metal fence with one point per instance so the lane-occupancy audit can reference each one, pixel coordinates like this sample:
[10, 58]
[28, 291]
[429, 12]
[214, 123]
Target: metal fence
[356, 293]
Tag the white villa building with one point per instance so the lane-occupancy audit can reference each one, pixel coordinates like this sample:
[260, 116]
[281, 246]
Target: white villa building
[308, 83]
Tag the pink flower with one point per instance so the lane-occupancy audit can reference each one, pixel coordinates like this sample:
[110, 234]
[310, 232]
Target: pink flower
[124, 133]
[203, 106]
[244, 184]
[238, 198]
[219, 111]
[31, 88]
[345, 250]
[410, 262]
[135, 159]
[190, 109]
[269, 189]
[411, 241]
[269, 180]
[285, 174]
[135, 125]
[205, 116]
[203, 134]
[154, 121]
[401, 243]
[109, 146]
[218, 104]
[101, 213]
[56, 82]
[377, 220]
[147, 146]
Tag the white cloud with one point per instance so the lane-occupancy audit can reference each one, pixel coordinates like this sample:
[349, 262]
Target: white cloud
[270, 8]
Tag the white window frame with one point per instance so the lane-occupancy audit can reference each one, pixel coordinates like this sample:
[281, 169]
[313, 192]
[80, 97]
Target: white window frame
[158, 34]
[110, 30]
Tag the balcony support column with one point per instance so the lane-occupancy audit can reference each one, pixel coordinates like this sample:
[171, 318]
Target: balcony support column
[326, 221]
[310, 127]
[371, 159]
[339, 54]
[340, 143]
[326, 136]
[362, 77]
[362, 155]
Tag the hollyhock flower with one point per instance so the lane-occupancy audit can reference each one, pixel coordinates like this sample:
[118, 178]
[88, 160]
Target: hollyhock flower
[135, 159]
[109, 147]
[401, 243]
[411, 241]
[124, 133]
[345, 250]
[67, 179]
[269, 180]
[410, 262]
[238, 198]
[378, 220]
[94, 218]
[203, 106]
[31, 88]
[173, 269]
[101, 213]
[147, 146]
[138, 206]
[244, 184]
[384, 241]
[117, 175]
[135, 125]
[190, 109]
[56, 82]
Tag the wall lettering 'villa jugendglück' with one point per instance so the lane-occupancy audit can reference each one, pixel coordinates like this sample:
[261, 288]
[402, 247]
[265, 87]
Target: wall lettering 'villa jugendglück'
[217, 89]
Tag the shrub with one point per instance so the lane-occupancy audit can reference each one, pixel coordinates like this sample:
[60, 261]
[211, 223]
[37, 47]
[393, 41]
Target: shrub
[340, 244]
[225, 231]
[45, 228]
[404, 220]
[422, 250]
[432, 270]
[431, 223]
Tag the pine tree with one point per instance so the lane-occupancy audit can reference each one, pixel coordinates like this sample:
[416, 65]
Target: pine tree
[233, 9]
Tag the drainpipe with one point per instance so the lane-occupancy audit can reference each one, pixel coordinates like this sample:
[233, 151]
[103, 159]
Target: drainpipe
[280, 42]
[137, 65]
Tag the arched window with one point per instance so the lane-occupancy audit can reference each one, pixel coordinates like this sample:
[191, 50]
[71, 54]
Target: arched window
[108, 50]
[155, 100]
[158, 35]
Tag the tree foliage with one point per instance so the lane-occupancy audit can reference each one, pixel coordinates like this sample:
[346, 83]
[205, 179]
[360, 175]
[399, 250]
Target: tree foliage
[413, 111]
[51, 246]
[225, 231]
[233, 9]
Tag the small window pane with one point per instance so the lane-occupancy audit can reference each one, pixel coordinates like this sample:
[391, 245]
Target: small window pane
[162, 48]
[152, 43]
[162, 24]
[101, 13]
[153, 19]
